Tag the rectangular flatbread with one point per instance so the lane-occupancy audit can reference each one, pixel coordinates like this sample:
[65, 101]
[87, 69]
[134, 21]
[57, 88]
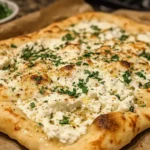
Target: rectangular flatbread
[82, 83]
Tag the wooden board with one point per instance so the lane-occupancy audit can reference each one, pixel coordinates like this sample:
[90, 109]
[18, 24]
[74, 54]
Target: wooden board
[141, 17]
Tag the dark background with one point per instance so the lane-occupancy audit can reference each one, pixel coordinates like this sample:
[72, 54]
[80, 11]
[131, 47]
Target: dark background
[28, 6]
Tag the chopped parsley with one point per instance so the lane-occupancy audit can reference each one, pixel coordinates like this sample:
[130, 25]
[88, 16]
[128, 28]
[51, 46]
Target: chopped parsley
[131, 108]
[93, 74]
[13, 46]
[143, 105]
[72, 93]
[88, 47]
[6, 67]
[127, 77]
[42, 90]
[140, 74]
[147, 85]
[40, 124]
[145, 55]
[118, 96]
[46, 101]
[58, 62]
[13, 88]
[96, 30]
[82, 85]
[27, 53]
[79, 63]
[115, 58]
[123, 38]
[96, 33]
[68, 37]
[88, 54]
[31, 64]
[94, 27]
[107, 51]
[32, 105]
[64, 121]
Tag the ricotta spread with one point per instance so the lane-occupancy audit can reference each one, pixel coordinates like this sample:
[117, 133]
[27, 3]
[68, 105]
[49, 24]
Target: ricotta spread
[77, 77]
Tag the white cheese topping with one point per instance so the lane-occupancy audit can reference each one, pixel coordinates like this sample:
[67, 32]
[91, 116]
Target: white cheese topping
[81, 80]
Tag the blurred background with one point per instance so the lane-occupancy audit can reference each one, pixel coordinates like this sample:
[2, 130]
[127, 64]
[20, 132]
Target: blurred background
[111, 5]
[29, 6]
[19, 17]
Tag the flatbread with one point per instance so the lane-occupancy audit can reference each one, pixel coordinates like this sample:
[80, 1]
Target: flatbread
[123, 53]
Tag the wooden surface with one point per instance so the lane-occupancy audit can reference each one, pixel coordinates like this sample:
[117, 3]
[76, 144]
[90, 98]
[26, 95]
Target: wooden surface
[141, 17]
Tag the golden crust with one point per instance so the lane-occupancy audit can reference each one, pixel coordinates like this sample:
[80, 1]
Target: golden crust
[55, 28]
[108, 132]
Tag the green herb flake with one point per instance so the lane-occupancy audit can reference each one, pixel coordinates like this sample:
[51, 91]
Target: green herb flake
[79, 63]
[88, 47]
[64, 121]
[72, 93]
[40, 124]
[94, 27]
[126, 77]
[115, 58]
[145, 55]
[42, 90]
[123, 38]
[96, 33]
[6, 67]
[31, 64]
[147, 85]
[13, 88]
[96, 30]
[68, 37]
[85, 64]
[82, 85]
[107, 51]
[118, 96]
[140, 74]
[45, 101]
[13, 46]
[143, 105]
[131, 108]
[27, 53]
[32, 105]
[94, 74]
[88, 54]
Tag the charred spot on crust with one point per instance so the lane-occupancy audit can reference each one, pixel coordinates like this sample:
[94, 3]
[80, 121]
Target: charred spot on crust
[107, 122]
[125, 64]
[111, 141]
[37, 79]
[17, 128]
[89, 61]
[67, 68]
[148, 90]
